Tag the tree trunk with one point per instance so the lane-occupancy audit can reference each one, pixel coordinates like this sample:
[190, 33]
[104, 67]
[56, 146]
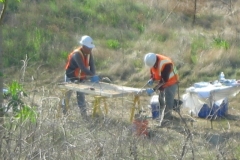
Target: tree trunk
[1, 62]
[195, 12]
[1, 76]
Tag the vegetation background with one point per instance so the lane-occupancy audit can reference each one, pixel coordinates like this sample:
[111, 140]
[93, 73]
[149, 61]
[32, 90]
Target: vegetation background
[202, 37]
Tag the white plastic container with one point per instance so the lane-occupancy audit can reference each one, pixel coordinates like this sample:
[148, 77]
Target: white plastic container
[155, 107]
[221, 77]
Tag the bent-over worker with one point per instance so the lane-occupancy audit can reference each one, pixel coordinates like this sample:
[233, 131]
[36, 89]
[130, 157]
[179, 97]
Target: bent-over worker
[163, 71]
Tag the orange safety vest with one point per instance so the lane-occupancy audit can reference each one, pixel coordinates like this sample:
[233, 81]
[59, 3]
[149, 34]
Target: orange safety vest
[77, 71]
[156, 71]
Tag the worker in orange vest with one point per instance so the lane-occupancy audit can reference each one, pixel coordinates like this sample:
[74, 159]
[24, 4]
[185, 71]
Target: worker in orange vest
[163, 72]
[80, 66]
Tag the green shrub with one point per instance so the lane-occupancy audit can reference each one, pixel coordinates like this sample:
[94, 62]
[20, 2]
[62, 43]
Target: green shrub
[14, 101]
[220, 43]
[113, 44]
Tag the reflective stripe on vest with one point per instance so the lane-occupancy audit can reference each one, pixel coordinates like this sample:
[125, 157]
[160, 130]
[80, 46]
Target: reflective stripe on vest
[77, 71]
[173, 76]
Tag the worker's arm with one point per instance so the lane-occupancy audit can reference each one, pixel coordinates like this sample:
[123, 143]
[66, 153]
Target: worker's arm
[91, 64]
[166, 72]
[165, 76]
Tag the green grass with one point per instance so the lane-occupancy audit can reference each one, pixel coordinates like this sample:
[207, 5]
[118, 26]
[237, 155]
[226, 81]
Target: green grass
[70, 18]
[116, 25]
[198, 44]
[113, 44]
[221, 43]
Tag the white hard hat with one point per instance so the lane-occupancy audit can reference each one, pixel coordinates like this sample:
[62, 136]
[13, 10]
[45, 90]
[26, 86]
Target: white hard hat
[87, 41]
[150, 59]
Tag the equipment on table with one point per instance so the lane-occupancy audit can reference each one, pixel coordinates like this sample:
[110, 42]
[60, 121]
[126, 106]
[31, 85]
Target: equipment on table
[208, 100]
[95, 79]
[221, 77]
[106, 80]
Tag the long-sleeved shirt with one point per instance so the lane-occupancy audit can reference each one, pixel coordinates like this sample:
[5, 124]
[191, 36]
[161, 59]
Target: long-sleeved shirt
[77, 62]
[166, 72]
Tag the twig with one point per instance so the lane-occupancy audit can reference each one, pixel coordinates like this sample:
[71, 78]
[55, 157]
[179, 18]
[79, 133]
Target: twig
[25, 62]
[170, 13]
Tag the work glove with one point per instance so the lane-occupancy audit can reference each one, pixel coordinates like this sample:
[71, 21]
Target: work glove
[149, 91]
[150, 82]
[95, 79]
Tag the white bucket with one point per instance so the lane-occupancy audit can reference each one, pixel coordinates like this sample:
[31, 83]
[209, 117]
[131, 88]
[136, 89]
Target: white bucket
[155, 107]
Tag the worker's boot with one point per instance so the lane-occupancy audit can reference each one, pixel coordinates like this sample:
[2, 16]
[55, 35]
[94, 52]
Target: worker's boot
[83, 112]
[177, 105]
[65, 106]
[167, 117]
[168, 113]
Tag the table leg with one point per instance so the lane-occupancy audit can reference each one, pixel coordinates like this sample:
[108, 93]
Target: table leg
[64, 102]
[105, 105]
[97, 103]
[135, 101]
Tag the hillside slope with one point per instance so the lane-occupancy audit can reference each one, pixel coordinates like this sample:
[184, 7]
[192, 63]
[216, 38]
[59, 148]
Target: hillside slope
[123, 32]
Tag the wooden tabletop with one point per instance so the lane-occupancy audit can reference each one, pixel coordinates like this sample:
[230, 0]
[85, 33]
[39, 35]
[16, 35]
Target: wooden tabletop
[102, 89]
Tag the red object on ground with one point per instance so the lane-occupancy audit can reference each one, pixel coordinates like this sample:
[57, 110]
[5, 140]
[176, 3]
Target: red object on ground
[140, 127]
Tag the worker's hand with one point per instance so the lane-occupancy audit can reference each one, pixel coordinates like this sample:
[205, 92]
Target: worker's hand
[95, 79]
[150, 82]
[149, 91]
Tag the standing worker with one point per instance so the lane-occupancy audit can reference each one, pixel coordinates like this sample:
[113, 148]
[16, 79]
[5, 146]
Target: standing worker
[164, 72]
[80, 65]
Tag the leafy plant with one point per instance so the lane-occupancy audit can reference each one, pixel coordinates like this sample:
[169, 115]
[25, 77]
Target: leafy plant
[220, 43]
[114, 44]
[14, 96]
[25, 113]
[15, 91]
[141, 28]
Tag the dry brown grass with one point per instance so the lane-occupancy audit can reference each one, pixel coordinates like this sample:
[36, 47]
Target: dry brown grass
[110, 136]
